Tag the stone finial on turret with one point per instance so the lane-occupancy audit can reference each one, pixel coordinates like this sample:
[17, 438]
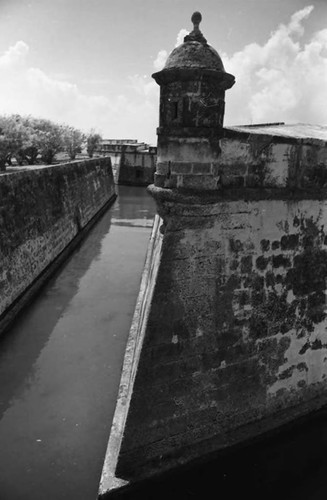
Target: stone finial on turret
[195, 35]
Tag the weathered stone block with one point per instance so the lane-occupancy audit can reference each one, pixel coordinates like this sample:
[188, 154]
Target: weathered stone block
[196, 182]
[159, 179]
[162, 168]
[181, 168]
[201, 168]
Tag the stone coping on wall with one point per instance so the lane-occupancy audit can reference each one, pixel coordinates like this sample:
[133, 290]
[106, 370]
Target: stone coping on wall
[253, 162]
[109, 482]
[290, 133]
[193, 198]
[17, 169]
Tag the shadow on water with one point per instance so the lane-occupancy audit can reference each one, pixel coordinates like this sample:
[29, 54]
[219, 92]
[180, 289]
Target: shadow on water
[33, 326]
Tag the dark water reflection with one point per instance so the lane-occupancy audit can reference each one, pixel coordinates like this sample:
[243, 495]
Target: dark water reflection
[60, 363]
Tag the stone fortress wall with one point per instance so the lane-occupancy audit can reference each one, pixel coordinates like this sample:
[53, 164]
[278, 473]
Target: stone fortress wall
[236, 336]
[234, 340]
[137, 168]
[133, 163]
[42, 211]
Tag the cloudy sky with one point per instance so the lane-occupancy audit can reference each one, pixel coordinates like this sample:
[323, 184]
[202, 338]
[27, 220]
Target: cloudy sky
[88, 63]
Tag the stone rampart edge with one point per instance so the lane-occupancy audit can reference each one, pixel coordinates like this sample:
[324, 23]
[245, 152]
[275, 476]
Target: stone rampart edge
[109, 483]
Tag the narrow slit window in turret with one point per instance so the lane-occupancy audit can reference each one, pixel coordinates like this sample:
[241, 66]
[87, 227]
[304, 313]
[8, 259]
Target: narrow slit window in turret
[174, 110]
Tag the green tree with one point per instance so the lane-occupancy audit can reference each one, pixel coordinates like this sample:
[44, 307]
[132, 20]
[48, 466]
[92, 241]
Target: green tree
[4, 150]
[93, 141]
[73, 140]
[41, 137]
[48, 137]
[27, 138]
[31, 146]
[13, 135]
[4, 143]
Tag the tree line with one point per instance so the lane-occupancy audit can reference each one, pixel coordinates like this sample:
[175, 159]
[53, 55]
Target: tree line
[26, 140]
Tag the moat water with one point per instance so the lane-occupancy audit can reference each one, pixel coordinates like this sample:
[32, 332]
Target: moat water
[59, 374]
[60, 363]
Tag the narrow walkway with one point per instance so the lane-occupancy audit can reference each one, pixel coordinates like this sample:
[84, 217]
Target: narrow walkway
[60, 363]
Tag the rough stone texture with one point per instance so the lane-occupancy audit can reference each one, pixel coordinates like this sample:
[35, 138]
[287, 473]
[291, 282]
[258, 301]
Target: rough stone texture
[194, 55]
[235, 338]
[135, 168]
[309, 134]
[41, 211]
[236, 333]
[192, 106]
[253, 157]
[191, 119]
[241, 160]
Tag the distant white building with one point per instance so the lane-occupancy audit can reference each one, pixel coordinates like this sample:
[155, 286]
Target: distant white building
[118, 145]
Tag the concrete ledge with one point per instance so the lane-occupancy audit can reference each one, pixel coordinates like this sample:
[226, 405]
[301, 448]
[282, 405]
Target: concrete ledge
[109, 483]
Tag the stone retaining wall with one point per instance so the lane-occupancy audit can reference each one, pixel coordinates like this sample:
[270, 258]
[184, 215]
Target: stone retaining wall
[42, 210]
[133, 168]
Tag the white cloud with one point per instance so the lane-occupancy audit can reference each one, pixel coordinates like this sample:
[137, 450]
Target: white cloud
[296, 19]
[180, 37]
[144, 86]
[27, 90]
[14, 55]
[281, 80]
[160, 60]
[162, 55]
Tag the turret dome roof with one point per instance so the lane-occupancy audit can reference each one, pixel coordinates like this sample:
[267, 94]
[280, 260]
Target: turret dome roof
[194, 54]
[194, 57]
